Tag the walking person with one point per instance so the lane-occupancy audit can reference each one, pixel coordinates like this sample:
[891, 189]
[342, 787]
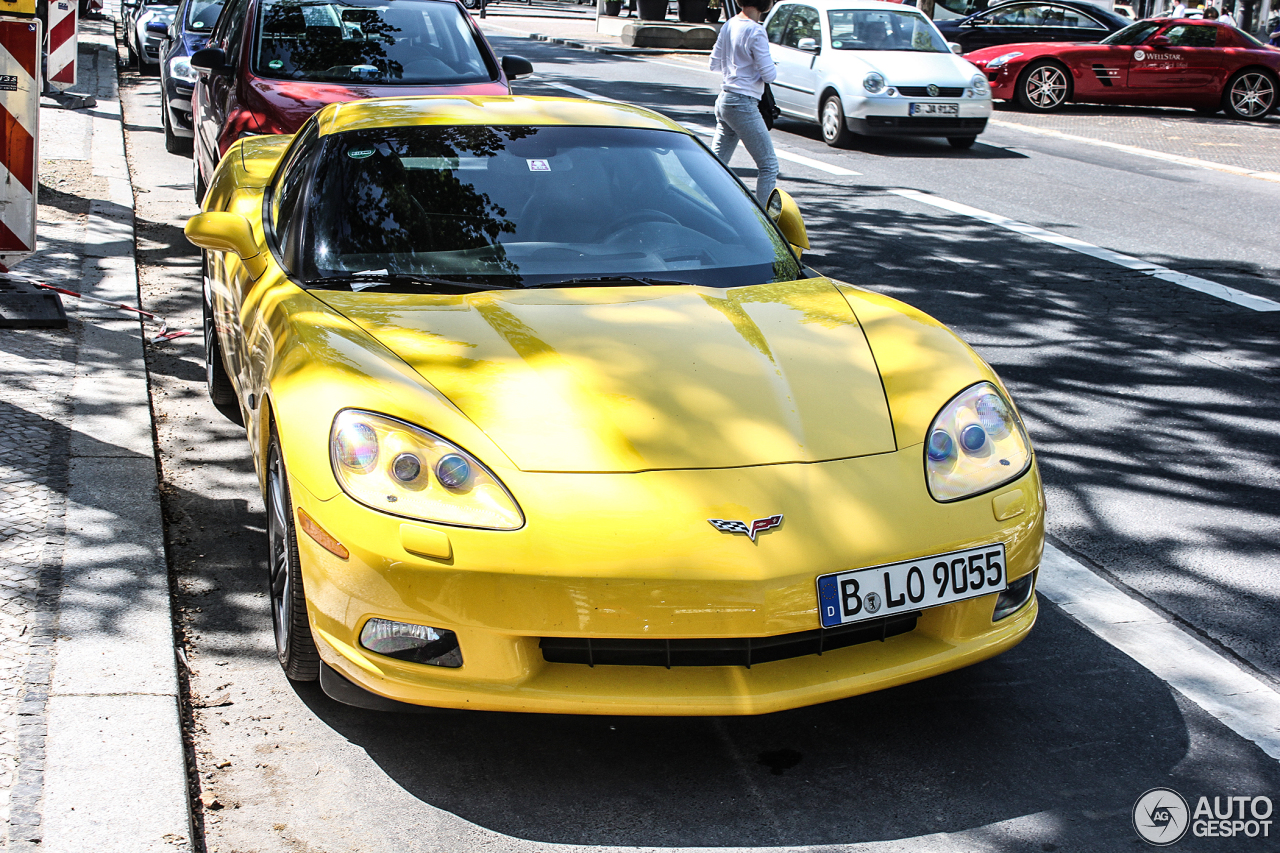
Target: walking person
[742, 57]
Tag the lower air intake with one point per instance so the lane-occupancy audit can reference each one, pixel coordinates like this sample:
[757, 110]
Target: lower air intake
[733, 651]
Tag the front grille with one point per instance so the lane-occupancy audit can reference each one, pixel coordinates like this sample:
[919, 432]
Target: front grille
[922, 122]
[923, 91]
[733, 651]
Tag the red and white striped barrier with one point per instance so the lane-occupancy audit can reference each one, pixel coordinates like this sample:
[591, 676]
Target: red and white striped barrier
[63, 23]
[163, 335]
[19, 132]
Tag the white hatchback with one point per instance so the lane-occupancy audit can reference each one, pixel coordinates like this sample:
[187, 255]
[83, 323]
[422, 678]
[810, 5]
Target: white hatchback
[875, 69]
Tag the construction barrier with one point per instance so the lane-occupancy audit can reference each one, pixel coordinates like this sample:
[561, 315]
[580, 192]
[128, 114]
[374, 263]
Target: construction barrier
[19, 133]
[63, 23]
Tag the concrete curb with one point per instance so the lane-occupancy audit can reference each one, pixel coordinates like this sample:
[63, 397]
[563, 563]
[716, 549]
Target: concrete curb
[115, 771]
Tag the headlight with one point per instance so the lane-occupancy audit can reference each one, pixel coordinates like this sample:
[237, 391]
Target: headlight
[975, 444]
[180, 69]
[873, 82]
[1003, 58]
[395, 467]
[979, 84]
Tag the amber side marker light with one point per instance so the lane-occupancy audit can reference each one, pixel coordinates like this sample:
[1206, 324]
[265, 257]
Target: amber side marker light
[318, 533]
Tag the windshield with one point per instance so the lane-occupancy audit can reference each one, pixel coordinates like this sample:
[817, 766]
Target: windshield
[418, 42]
[868, 29]
[203, 14]
[534, 206]
[1134, 33]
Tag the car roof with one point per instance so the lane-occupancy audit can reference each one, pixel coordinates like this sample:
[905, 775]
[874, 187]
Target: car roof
[494, 110]
[853, 4]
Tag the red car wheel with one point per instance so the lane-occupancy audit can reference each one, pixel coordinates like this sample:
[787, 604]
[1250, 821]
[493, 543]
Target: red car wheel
[1249, 95]
[1043, 87]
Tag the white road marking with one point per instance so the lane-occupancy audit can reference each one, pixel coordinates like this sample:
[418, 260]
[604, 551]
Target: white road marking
[1142, 152]
[574, 90]
[1240, 700]
[1203, 285]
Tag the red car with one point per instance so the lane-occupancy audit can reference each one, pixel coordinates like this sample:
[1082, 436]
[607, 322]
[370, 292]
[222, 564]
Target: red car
[270, 64]
[1159, 63]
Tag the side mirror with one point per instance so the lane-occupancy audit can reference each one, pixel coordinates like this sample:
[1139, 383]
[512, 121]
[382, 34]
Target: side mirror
[211, 59]
[516, 66]
[158, 27]
[783, 211]
[955, 47]
[1159, 41]
[219, 231]
[810, 45]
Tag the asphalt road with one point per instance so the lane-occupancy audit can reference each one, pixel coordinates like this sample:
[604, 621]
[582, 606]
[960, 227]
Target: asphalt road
[1154, 412]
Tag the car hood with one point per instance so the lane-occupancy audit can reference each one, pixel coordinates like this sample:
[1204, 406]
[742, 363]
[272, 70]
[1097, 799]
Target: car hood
[987, 54]
[916, 68]
[645, 378]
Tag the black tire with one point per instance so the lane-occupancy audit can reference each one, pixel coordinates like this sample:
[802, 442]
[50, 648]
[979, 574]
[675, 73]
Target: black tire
[1249, 95]
[835, 130]
[1043, 87]
[134, 59]
[961, 141]
[295, 647]
[197, 177]
[173, 143]
[221, 392]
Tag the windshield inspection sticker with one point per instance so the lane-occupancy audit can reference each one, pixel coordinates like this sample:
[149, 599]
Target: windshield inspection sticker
[359, 153]
[538, 165]
[275, 64]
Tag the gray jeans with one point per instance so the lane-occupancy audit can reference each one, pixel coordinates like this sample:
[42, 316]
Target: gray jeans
[738, 117]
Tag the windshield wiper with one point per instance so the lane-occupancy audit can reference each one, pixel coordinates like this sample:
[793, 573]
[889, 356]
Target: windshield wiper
[605, 279]
[362, 281]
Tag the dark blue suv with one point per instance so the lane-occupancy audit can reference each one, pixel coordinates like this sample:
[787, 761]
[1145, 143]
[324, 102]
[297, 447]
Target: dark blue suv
[188, 33]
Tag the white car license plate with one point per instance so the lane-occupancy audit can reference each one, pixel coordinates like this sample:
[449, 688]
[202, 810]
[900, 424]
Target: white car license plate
[861, 594]
[934, 110]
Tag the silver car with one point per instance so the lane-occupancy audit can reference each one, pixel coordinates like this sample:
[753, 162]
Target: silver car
[146, 31]
[862, 67]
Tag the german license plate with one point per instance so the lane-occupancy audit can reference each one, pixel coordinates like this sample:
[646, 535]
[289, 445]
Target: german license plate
[860, 594]
[933, 110]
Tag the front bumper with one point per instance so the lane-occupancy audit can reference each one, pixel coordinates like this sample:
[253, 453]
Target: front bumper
[581, 569]
[889, 116]
[178, 101]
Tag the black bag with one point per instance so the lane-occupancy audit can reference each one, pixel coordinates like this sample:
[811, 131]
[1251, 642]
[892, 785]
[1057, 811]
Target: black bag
[768, 107]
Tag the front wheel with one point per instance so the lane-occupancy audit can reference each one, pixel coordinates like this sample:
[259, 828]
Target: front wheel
[835, 130]
[961, 141]
[1249, 95]
[295, 647]
[221, 392]
[1043, 87]
[197, 177]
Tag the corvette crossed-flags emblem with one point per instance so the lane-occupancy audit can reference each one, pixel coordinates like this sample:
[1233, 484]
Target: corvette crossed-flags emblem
[752, 529]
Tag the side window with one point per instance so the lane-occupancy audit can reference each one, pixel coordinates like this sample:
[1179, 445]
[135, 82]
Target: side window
[1192, 35]
[231, 29]
[291, 184]
[1072, 18]
[777, 23]
[1017, 16]
[804, 24]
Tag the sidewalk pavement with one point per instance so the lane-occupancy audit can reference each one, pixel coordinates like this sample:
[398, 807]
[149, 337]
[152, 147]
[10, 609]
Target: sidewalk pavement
[562, 23]
[91, 750]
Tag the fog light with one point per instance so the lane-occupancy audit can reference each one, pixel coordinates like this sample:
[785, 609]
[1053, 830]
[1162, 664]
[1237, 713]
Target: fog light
[415, 643]
[1015, 596]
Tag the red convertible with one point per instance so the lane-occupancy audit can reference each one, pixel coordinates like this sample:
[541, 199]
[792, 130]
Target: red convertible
[1159, 63]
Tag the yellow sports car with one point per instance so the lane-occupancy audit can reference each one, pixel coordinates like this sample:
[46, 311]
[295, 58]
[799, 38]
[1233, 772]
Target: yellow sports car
[550, 417]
